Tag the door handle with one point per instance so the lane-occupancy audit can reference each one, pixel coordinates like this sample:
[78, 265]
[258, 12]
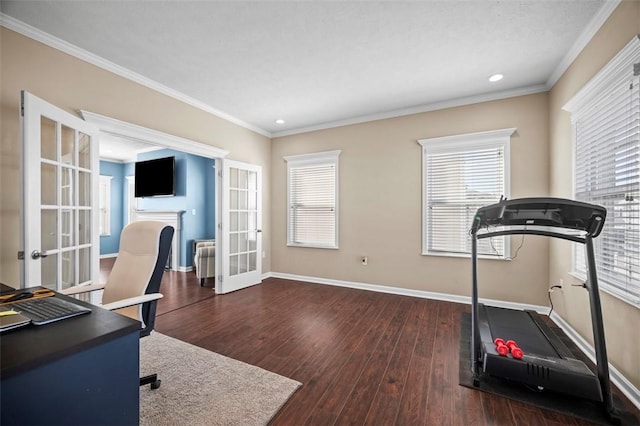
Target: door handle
[38, 254]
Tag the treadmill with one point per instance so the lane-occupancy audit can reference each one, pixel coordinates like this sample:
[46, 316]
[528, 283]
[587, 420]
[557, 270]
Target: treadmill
[547, 363]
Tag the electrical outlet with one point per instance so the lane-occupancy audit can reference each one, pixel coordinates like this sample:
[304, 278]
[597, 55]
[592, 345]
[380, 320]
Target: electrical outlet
[365, 260]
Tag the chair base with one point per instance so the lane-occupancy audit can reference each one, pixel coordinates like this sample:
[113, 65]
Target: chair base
[152, 380]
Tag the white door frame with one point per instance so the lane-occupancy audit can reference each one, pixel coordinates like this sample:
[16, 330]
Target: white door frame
[134, 132]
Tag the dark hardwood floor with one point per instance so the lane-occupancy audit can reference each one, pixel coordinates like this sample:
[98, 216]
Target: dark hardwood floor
[362, 357]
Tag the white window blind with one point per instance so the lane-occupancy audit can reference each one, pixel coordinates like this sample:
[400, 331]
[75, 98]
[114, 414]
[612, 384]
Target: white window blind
[312, 200]
[461, 174]
[607, 172]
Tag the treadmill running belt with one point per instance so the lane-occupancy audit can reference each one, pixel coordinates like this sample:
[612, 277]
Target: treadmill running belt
[519, 326]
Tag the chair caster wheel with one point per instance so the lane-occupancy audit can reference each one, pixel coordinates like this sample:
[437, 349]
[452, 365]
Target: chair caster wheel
[156, 384]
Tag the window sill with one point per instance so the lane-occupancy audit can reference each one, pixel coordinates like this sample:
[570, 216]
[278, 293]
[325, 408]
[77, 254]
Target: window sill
[313, 246]
[462, 255]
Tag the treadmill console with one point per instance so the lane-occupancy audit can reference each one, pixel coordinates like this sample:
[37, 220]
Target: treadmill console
[548, 212]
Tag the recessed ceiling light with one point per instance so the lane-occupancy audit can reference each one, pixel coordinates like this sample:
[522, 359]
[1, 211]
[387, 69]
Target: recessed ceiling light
[495, 77]
[279, 121]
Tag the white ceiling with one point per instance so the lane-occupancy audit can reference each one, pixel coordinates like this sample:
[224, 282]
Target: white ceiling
[318, 64]
[122, 150]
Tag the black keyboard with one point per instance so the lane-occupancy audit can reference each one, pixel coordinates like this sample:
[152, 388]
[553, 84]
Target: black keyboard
[48, 309]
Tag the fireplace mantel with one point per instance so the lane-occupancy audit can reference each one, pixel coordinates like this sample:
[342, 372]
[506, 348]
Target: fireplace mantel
[172, 218]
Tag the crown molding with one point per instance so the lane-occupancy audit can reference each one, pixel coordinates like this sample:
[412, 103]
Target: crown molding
[539, 88]
[585, 37]
[77, 52]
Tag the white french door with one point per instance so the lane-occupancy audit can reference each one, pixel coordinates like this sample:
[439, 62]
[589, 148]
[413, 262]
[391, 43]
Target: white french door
[60, 169]
[241, 245]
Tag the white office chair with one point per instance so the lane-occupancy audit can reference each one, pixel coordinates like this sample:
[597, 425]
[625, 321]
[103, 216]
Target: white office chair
[132, 288]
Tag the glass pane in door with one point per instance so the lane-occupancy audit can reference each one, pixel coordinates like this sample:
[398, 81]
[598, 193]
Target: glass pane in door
[48, 143]
[243, 263]
[251, 218]
[84, 265]
[233, 265]
[252, 261]
[48, 184]
[49, 230]
[67, 145]
[84, 188]
[243, 244]
[49, 271]
[66, 186]
[84, 227]
[67, 231]
[84, 151]
[68, 268]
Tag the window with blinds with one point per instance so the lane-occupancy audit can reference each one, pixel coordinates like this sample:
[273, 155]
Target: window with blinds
[607, 170]
[312, 217]
[461, 174]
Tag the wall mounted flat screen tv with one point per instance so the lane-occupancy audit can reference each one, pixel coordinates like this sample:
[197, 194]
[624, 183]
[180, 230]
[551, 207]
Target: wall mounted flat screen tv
[155, 178]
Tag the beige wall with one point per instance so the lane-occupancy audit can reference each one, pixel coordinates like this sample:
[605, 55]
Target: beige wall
[380, 202]
[572, 303]
[380, 172]
[72, 84]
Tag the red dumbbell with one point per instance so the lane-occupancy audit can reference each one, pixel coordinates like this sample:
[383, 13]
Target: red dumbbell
[502, 349]
[516, 352]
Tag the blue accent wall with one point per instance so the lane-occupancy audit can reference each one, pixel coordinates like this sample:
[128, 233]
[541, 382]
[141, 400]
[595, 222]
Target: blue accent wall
[195, 195]
[110, 244]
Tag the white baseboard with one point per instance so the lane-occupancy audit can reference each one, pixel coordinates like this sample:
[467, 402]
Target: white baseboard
[108, 255]
[409, 292]
[617, 378]
[627, 388]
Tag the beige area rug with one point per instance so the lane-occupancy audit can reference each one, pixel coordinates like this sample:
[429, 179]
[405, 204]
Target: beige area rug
[200, 387]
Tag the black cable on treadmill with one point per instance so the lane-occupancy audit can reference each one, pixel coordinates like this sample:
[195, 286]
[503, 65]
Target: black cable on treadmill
[549, 294]
[517, 250]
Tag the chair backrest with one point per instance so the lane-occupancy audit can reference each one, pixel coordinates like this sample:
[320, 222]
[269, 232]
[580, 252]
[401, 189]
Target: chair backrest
[205, 244]
[138, 269]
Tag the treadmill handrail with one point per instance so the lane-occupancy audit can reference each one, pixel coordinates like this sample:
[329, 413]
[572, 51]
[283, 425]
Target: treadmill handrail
[525, 231]
[557, 214]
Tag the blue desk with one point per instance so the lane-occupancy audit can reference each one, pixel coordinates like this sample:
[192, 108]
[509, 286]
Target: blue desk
[78, 371]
